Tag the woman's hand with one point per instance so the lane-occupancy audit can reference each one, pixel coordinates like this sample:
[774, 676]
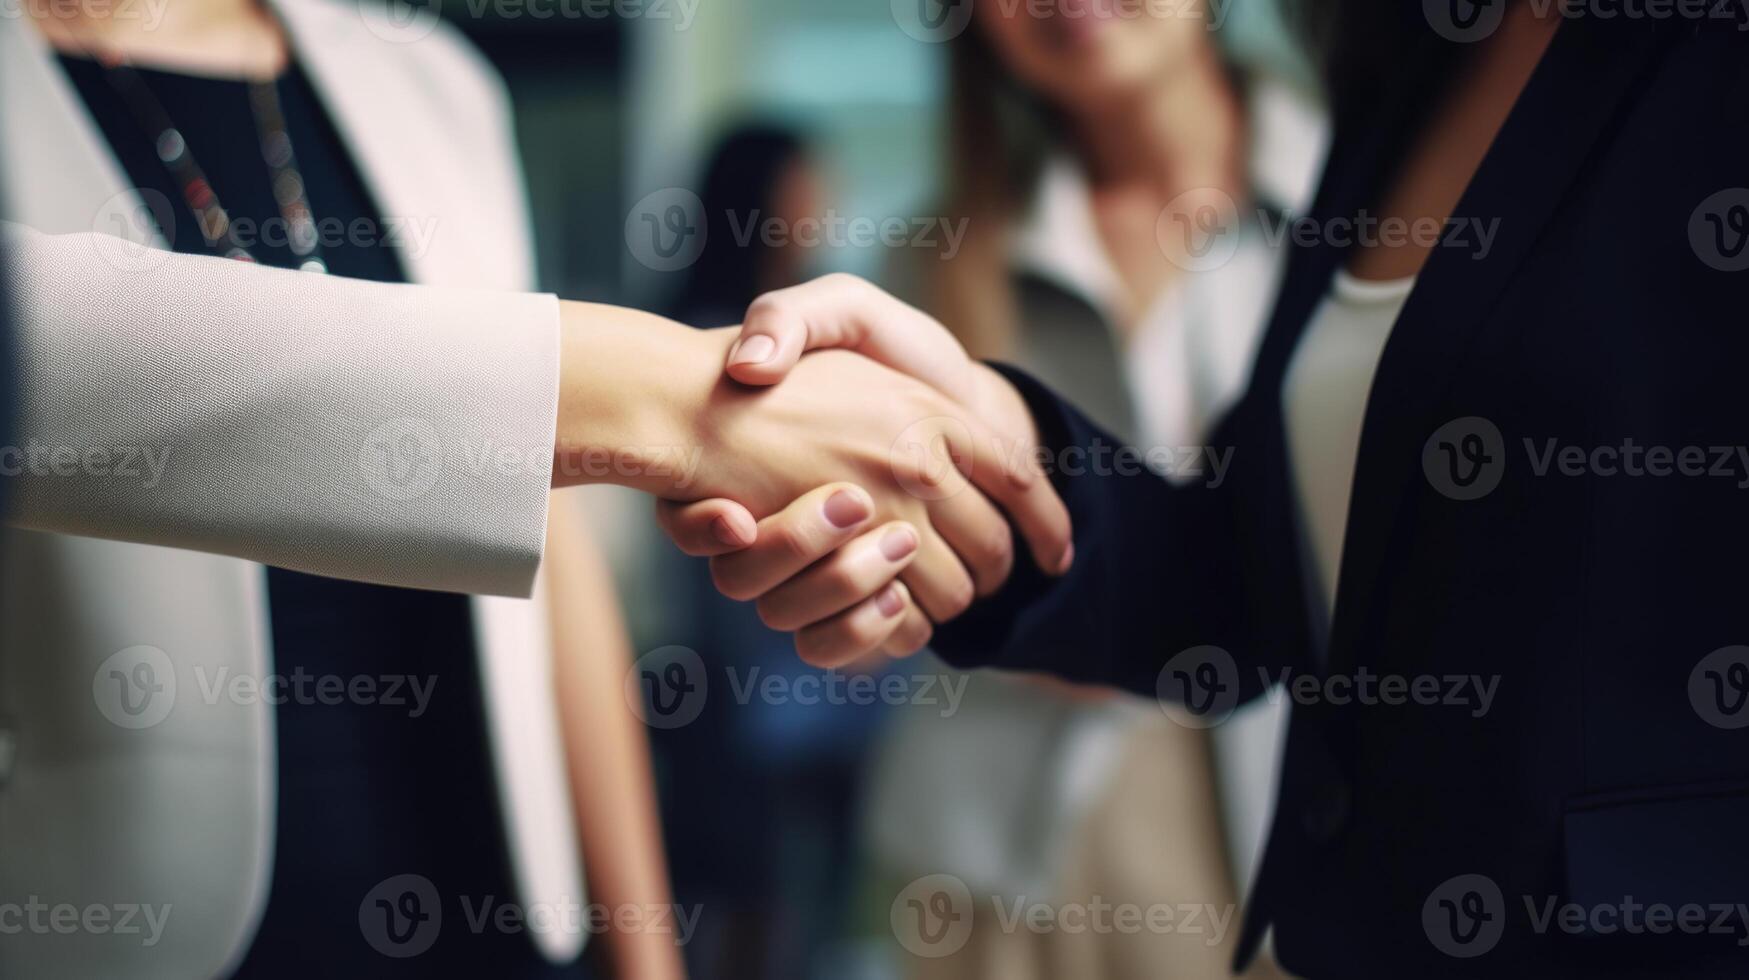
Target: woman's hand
[920, 484]
[845, 312]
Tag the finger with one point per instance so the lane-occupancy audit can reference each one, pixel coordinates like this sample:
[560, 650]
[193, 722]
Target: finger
[911, 635]
[846, 312]
[1009, 476]
[938, 580]
[706, 528]
[810, 528]
[859, 630]
[842, 579]
[979, 534]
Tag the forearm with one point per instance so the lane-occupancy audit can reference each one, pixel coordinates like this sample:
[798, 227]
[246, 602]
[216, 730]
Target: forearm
[387, 433]
[612, 786]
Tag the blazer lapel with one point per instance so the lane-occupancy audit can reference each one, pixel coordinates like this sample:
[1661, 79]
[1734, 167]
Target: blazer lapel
[1586, 72]
[366, 97]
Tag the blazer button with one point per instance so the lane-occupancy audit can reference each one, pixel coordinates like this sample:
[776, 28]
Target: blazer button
[1326, 813]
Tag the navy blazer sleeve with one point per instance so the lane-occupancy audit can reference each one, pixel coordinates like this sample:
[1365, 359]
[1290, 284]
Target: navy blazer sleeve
[1160, 567]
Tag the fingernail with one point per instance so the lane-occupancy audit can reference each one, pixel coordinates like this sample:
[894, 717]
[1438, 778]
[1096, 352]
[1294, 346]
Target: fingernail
[898, 543]
[1067, 560]
[889, 602]
[754, 350]
[726, 531]
[846, 509]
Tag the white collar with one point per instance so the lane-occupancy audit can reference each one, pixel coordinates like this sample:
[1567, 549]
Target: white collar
[1059, 242]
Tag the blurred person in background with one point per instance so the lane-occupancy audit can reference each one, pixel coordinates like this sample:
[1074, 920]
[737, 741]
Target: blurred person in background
[759, 797]
[311, 835]
[1072, 138]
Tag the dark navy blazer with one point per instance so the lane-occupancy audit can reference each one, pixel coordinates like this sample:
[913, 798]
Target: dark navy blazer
[1607, 776]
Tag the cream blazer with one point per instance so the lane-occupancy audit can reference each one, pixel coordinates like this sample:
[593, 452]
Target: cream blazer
[391, 433]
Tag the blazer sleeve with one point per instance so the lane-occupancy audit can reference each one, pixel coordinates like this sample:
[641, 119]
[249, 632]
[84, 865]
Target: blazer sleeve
[386, 433]
[1160, 568]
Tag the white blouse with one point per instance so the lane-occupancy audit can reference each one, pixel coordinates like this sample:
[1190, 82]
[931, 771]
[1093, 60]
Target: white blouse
[1324, 401]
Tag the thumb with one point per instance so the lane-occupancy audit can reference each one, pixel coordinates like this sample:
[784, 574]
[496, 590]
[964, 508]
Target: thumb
[848, 313]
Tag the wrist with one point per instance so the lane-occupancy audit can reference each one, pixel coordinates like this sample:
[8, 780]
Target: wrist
[632, 389]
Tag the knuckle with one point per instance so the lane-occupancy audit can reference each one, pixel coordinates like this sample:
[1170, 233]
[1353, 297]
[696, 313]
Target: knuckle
[913, 636]
[766, 305]
[818, 647]
[793, 542]
[773, 614]
[730, 579]
[958, 598]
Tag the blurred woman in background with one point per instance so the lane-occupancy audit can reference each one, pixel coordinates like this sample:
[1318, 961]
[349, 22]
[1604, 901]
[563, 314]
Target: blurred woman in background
[1077, 145]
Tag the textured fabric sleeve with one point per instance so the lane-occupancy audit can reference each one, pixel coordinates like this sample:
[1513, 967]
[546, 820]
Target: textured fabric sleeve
[1160, 569]
[387, 433]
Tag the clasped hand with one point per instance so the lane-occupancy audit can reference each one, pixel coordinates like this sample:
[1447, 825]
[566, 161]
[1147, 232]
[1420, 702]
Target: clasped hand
[930, 457]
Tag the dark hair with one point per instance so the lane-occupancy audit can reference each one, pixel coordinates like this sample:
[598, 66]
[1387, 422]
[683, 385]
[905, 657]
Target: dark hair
[740, 178]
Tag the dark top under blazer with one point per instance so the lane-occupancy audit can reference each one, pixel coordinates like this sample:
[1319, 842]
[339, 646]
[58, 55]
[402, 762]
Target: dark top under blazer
[1414, 840]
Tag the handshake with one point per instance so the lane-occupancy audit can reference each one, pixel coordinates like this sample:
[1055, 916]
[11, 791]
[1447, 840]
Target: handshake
[860, 494]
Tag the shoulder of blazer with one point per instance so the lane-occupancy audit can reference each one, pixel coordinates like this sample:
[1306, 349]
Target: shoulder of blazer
[458, 81]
